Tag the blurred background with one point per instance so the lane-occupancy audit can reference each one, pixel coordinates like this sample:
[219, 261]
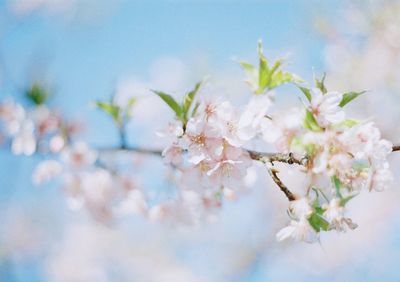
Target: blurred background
[84, 50]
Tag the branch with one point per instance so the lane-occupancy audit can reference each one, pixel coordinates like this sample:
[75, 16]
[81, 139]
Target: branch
[266, 158]
[138, 150]
[288, 158]
[273, 172]
[396, 148]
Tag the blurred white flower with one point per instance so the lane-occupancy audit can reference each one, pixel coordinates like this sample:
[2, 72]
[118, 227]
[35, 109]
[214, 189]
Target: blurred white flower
[300, 207]
[133, 203]
[334, 213]
[299, 230]
[46, 171]
[12, 115]
[24, 142]
[78, 155]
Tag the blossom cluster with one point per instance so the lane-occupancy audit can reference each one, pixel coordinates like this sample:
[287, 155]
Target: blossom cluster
[105, 193]
[36, 129]
[344, 156]
[209, 154]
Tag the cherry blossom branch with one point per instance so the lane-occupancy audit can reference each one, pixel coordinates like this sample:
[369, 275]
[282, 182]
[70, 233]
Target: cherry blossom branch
[267, 158]
[126, 149]
[273, 172]
[288, 158]
[270, 158]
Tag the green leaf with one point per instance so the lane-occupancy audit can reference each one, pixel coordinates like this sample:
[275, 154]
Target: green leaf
[344, 201]
[129, 105]
[37, 94]
[311, 123]
[188, 100]
[338, 185]
[196, 106]
[170, 101]
[249, 68]
[266, 78]
[320, 84]
[317, 222]
[348, 97]
[131, 102]
[306, 92]
[251, 73]
[111, 109]
[348, 123]
[263, 70]
[280, 77]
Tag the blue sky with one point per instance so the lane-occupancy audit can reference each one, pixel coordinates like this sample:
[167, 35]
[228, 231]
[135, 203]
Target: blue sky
[82, 56]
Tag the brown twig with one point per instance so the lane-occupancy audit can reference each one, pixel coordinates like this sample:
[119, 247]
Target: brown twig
[396, 148]
[273, 172]
[288, 158]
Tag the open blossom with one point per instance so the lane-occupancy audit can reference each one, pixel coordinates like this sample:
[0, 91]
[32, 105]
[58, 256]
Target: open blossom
[299, 230]
[230, 169]
[364, 141]
[281, 130]
[325, 107]
[253, 116]
[46, 171]
[78, 155]
[202, 141]
[227, 123]
[173, 155]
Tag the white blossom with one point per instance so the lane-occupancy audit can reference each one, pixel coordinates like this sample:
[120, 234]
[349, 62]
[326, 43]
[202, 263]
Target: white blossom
[299, 230]
[46, 171]
[325, 107]
[78, 155]
[24, 142]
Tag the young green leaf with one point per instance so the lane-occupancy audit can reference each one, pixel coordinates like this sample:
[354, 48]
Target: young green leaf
[310, 122]
[188, 100]
[266, 77]
[344, 201]
[338, 185]
[348, 123]
[278, 78]
[306, 92]
[348, 97]
[131, 102]
[111, 109]
[263, 70]
[196, 106]
[37, 94]
[320, 84]
[251, 73]
[317, 222]
[170, 101]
